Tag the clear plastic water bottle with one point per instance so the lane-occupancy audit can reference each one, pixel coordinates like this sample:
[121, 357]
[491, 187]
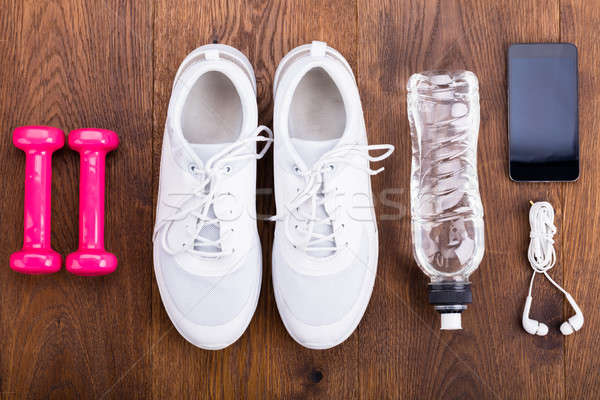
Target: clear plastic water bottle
[446, 210]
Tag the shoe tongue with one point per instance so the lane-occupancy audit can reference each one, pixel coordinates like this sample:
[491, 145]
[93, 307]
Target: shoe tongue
[209, 232]
[206, 151]
[311, 150]
[323, 228]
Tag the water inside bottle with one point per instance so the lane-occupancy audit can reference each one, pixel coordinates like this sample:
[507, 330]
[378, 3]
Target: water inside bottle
[446, 210]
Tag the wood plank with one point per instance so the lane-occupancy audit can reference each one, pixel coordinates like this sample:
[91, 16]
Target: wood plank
[402, 352]
[581, 209]
[69, 64]
[265, 361]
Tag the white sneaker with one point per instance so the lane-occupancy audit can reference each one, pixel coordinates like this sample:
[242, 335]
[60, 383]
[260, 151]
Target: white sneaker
[325, 246]
[207, 254]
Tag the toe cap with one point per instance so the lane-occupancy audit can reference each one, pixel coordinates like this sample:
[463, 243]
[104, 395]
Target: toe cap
[211, 312]
[321, 311]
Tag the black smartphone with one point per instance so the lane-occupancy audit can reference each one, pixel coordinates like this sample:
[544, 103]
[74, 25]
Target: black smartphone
[543, 120]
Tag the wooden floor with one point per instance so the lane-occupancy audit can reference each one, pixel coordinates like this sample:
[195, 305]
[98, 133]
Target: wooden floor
[111, 64]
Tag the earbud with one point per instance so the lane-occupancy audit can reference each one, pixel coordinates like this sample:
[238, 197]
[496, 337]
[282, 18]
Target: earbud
[575, 322]
[532, 326]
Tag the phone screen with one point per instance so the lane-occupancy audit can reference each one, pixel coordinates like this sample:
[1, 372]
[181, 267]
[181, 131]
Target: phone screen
[543, 117]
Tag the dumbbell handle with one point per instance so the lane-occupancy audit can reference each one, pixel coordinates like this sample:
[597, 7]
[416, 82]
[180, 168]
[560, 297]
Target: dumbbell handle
[91, 199]
[38, 181]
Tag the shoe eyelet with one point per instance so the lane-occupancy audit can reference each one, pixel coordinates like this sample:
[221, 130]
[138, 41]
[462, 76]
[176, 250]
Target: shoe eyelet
[193, 169]
[297, 170]
[332, 167]
[227, 169]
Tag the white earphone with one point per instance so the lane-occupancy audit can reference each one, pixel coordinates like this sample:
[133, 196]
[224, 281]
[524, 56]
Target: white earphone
[532, 326]
[575, 322]
[542, 258]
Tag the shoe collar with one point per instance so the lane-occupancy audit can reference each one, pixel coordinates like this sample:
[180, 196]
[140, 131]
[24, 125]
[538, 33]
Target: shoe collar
[285, 93]
[181, 89]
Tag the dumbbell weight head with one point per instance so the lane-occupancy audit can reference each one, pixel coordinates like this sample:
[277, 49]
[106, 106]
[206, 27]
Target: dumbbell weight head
[91, 262]
[35, 261]
[38, 138]
[93, 139]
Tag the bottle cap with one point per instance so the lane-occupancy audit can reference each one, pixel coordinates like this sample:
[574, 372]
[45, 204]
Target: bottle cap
[451, 321]
[450, 293]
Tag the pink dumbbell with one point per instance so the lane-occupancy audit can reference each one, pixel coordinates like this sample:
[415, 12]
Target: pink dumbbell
[38, 143]
[91, 259]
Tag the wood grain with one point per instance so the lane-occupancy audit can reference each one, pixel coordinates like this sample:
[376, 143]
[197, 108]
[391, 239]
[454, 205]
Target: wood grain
[402, 349]
[70, 65]
[581, 229]
[180, 28]
[265, 362]
[111, 64]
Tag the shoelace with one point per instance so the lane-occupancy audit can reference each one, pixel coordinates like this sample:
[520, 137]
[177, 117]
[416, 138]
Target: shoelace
[205, 191]
[316, 194]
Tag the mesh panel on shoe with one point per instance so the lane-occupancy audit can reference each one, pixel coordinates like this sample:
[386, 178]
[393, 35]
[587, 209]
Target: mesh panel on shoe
[207, 300]
[326, 299]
